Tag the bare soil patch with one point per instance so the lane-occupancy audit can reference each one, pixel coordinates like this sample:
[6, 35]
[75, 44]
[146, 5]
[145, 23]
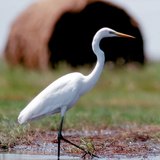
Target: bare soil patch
[128, 140]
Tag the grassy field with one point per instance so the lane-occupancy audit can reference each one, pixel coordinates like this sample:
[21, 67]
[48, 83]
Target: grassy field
[127, 95]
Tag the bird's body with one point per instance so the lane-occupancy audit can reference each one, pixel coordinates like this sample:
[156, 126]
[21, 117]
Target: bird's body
[63, 93]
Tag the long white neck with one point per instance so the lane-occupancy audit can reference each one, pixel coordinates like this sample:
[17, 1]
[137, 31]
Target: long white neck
[92, 78]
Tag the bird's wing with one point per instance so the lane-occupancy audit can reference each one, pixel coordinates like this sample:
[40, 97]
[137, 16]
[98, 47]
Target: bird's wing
[60, 93]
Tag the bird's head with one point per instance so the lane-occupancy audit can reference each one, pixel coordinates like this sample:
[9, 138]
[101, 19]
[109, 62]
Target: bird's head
[104, 33]
[108, 32]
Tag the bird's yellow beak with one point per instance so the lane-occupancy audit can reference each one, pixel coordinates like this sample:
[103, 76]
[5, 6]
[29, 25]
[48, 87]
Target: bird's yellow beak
[119, 34]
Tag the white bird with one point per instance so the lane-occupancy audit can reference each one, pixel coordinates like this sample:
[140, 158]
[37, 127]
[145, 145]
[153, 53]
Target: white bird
[63, 93]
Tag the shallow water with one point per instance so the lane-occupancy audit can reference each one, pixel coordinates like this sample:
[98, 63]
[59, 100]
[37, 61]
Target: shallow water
[13, 156]
[9, 156]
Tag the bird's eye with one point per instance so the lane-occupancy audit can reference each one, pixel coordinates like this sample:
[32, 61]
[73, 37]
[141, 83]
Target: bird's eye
[111, 32]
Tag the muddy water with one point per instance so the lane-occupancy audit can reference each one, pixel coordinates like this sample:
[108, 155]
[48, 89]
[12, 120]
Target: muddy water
[12, 156]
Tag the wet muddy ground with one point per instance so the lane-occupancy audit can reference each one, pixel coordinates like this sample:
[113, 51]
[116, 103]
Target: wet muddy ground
[127, 141]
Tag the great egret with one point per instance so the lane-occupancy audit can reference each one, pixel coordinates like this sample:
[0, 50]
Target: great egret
[63, 93]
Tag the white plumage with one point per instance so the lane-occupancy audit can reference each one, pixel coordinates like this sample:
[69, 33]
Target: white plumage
[63, 93]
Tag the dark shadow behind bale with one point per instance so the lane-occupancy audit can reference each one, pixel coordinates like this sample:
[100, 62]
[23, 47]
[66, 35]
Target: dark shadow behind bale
[72, 37]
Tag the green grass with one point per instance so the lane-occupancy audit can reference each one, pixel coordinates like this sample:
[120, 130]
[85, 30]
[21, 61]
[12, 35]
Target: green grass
[121, 96]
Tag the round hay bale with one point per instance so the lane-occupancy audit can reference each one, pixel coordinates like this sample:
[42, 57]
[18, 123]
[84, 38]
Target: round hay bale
[53, 30]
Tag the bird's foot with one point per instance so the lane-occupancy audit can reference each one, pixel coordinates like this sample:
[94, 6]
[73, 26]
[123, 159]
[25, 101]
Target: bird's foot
[90, 154]
[85, 152]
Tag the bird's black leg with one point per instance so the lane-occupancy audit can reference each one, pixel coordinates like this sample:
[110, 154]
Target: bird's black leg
[60, 137]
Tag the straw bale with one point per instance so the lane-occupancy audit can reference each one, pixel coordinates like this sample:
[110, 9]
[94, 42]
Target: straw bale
[32, 31]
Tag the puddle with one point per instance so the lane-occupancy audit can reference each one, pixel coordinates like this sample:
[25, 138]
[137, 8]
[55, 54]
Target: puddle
[12, 156]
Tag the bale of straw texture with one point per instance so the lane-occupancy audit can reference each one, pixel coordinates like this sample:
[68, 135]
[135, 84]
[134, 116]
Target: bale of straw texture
[30, 32]
[29, 38]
